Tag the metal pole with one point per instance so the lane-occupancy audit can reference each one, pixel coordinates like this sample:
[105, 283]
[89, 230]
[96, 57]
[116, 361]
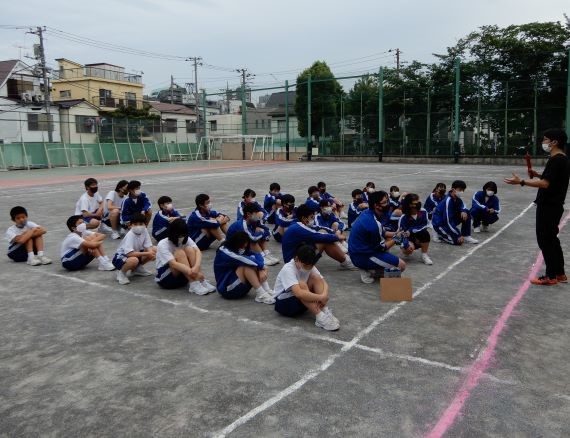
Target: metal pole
[46, 84]
[506, 124]
[287, 120]
[568, 104]
[243, 118]
[456, 124]
[309, 121]
[535, 121]
[380, 114]
[341, 125]
[205, 120]
[361, 127]
[478, 142]
[404, 127]
[428, 122]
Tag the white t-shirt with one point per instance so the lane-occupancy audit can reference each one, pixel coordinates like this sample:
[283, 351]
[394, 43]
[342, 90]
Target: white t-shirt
[290, 276]
[165, 251]
[116, 200]
[71, 241]
[14, 231]
[88, 203]
[133, 242]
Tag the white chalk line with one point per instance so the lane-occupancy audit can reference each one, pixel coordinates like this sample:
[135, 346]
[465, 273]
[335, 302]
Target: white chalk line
[348, 346]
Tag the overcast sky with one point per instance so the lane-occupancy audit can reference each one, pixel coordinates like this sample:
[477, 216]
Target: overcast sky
[272, 39]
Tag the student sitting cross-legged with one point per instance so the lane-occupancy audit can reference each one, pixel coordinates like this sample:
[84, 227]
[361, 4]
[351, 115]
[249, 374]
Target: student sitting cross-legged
[326, 219]
[300, 287]
[25, 239]
[238, 269]
[178, 261]
[413, 226]
[166, 213]
[206, 225]
[284, 217]
[112, 208]
[134, 251]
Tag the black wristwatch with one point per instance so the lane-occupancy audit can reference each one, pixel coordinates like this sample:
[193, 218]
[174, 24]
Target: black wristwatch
[522, 183]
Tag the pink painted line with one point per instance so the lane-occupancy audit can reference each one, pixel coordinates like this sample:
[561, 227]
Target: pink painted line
[15, 183]
[481, 364]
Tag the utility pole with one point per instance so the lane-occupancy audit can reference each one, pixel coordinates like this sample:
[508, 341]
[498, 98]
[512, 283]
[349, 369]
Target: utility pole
[39, 32]
[244, 76]
[171, 88]
[196, 61]
[398, 53]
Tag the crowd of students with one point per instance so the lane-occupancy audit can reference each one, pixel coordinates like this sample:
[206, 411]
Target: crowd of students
[376, 222]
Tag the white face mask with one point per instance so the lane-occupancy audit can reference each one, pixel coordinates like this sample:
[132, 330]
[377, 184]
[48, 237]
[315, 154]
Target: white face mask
[371, 190]
[22, 225]
[252, 201]
[138, 192]
[327, 210]
[460, 194]
[169, 207]
[81, 227]
[395, 194]
[490, 193]
[210, 206]
[138, 229]
[546, 147]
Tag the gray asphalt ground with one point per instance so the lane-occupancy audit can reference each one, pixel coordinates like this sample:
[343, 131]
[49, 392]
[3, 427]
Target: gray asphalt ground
[82, 356]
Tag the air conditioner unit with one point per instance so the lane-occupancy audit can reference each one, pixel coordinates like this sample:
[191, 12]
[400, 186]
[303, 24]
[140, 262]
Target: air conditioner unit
[38, 97]
[27, 96]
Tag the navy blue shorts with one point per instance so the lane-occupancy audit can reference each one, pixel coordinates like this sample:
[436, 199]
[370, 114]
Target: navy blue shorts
[378, 260]
[290, 306]
[75, 260]
[204, 241]
[17, 252]
[119, 260]
[166, 280]
[236, 289]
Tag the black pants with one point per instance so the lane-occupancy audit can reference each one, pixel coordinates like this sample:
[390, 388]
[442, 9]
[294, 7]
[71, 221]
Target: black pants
[547, 220]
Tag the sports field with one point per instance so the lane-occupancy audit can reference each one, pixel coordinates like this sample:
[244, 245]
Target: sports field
[478, 352]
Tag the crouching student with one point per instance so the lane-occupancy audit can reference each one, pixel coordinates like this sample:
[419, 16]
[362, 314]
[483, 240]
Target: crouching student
[369, 243]
[357, 206]
[451, 214]
[112, 208]
[414, 226]
[256, 231]
[134, 251]
[272, 202]
[300, 287]
[178, 261]
[206, 225]
[25, 239]
[238, 269]
[81, 246]
[369, 188]
[485, 207]
[434, 198]
[285, 216]
[166, 213]
[326, 219]
[337, 204]
[136, 202]
[249, 198]
[90, 204]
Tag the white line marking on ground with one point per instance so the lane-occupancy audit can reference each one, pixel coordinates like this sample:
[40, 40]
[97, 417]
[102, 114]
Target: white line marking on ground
[350, 345]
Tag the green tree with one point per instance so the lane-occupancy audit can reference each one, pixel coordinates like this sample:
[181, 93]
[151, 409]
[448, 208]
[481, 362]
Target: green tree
[325, 101]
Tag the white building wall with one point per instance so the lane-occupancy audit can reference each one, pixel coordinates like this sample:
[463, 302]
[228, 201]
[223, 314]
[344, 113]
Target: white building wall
[14, 123]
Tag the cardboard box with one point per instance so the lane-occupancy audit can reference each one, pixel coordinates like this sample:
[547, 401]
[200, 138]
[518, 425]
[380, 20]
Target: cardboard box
[396, 289]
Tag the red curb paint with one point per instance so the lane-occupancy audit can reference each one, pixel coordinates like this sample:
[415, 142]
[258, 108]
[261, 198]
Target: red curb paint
[72, 178]
[482, 362]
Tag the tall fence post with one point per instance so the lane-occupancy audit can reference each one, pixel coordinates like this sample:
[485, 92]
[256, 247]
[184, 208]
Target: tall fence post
[205, 121]
[506, 124]
[286, 121]
[243, 121]
[456, 122]
[568, 104]
[309, 121]
[380, 114]
[428, 122]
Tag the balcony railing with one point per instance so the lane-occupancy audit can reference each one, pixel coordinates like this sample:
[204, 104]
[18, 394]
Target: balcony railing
[92, 72]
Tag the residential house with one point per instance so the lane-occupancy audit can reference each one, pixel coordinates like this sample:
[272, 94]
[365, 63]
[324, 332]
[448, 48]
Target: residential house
[79, 121]
[104, 85]
[276, 107]
[178, 123]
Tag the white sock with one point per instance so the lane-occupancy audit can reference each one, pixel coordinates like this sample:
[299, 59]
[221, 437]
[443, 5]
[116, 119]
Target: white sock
[260, 290]
[31, 255]
[265, 286]
[101, 259]
[40, 253]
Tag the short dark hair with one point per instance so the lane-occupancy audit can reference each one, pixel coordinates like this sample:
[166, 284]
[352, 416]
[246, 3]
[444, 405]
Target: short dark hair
[303, 211]
[15, 211]
[324, 203]
[89, 181]
[134, 184]
[394, 189]
[201, 199]
[248, 193]
[458, 184]
[439, 186]
[274, 186]
[408, 200]
[370, 184]
[306, 254]
[287, 199]
[321, 184]
[491, 185]
[376, 197]
[356, 192]
[236, 240]
[164, 200]
[250, 209]
[138, 218]
[121, 184]
[312, 189]
[177, 228]
[72, 221]
[556, 134]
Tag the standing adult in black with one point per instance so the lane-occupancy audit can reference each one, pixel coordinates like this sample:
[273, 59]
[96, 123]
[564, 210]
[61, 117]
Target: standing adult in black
[552, 187]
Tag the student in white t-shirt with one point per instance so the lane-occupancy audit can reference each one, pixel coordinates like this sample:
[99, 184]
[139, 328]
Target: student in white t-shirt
[134, 251]
[112, 208]
[178, 261]
[90, 204]
[25, 239]
[300, 287]
[81, 246]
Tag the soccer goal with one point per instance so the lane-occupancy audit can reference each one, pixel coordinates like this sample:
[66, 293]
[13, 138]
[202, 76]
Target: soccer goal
[231, 147]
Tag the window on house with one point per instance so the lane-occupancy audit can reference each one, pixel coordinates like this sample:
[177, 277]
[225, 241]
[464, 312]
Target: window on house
[65, 94]
[262, 123]
[85, 124]
[213, 125]
[169, 125]
[39, 122]
[256, 124]
[17, 86]
[191, 126]
[131, 100]
[281, 127]
[105, 98]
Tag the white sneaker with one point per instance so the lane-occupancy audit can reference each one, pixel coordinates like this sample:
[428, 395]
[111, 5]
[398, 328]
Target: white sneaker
[477, 230]
[347, 264]
[208, 286]
[122, 232]
[115, 235]
[34, 261]
[45, 260]
[269, 261]
[436, 238]
[106, 266]
[326, 309]
[485, 228]
[343, 248]
[141, 271]
[104, 228]
[470, 239]
[343, 215]
[197, 288]
[122, 278]
[326, 321]
[366, 277]
[264, 297]
[426, 259]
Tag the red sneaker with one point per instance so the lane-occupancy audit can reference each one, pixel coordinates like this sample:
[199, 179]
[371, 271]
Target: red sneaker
[562, 278]
[544, 281]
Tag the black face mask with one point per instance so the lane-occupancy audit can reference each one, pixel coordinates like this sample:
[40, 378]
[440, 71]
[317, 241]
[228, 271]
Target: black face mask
[93, 189]
[417, 205]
